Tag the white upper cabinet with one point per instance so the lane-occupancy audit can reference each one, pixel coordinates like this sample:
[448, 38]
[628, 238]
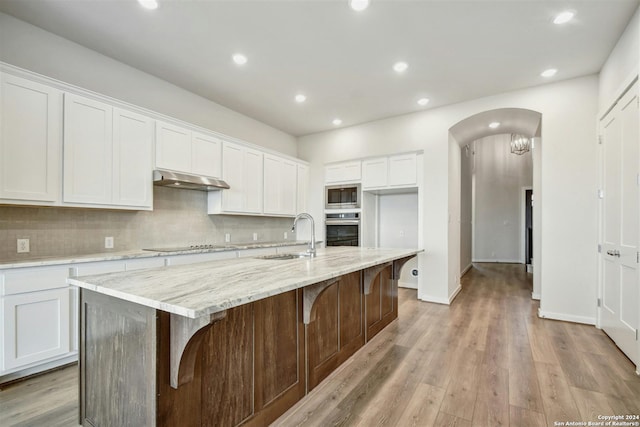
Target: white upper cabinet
[107, 155]
[403, 170]
[302, 187]
[374, 173]
[343, 172]
[205, 155]
[182, 150]
[132, 154]
[30, 141]
[88, 150]
[242, 169]
[173, 147]
[280, 185]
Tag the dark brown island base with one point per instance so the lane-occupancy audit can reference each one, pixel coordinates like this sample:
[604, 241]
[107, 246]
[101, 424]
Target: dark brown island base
[142, 365]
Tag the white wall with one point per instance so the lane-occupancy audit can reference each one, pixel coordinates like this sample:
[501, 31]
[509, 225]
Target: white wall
[568, 180]
[621, 66]
[34, 49]
[499, 178]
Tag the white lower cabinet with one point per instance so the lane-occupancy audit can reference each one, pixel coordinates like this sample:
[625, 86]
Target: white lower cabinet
[35, 327]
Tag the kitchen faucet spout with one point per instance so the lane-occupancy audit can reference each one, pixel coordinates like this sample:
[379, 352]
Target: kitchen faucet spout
[311, 250]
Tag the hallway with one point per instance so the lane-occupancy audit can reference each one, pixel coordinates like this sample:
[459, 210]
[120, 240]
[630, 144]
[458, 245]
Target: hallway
[487, 360]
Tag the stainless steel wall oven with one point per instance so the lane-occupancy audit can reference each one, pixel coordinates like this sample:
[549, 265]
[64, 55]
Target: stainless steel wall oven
[342, 229]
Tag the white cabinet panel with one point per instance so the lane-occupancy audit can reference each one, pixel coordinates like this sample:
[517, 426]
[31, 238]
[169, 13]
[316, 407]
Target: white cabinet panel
[203, 257]
[30, 140]
[233, 174]
[343, 172]
[302, 188]
[133, 163]
[22, 280]
[256, 252]
[173, 147]
[374, 173]
[254, 181]
[36, 327]
[205, 155]
[139, 264]
[280, 185]
[403, 170]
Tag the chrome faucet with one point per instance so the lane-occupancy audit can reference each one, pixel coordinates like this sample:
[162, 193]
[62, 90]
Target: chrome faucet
[311, 250]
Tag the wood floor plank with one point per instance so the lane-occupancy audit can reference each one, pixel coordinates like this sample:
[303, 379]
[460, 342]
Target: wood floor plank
[559, 405]
[520, 417]
[542, 349]
[422, 409]
[462, 390]
[524, 390]
[492, 404]
[447, 420]
[591, 404]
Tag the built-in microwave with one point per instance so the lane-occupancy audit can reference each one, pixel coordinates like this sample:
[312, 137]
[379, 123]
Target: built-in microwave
[342, 196]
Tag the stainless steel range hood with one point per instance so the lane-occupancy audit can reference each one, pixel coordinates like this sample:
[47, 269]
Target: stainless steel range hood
[186, 181]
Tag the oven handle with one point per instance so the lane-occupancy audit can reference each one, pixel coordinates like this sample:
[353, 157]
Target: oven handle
[342, 222]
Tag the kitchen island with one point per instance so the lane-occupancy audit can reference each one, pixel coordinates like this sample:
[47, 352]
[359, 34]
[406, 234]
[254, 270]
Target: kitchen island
[226, 343]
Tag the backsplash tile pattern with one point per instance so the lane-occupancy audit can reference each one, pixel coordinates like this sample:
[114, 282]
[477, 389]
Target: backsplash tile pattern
[179, 218]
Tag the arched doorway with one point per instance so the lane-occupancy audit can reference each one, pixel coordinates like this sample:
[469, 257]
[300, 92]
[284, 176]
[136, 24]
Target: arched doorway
[461, 137]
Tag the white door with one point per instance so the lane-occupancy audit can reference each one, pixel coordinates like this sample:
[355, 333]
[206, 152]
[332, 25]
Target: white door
[30, 135]
[288, 187]
[88, 150]
[233, 174]
[254, 181]
[273, 166]
[374, 173]
[620, 224]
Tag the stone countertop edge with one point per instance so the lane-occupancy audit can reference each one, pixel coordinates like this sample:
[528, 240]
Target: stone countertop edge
[140, 253]
[201, 299]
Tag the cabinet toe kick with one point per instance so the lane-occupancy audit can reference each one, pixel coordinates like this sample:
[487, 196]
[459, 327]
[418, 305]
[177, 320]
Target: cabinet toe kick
[186, 337]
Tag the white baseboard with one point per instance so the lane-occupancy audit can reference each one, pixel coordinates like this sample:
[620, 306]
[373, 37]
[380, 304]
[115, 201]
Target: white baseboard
[535, 296]
[429, 298]
[31, 370]
[408, 285]
[455, 293]
[567, 317]
[466, 269]
[505, 261]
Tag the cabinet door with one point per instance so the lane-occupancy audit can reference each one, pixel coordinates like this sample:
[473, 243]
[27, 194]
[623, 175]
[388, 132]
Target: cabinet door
[273, 171]
[254, 181]
[302, 188]
[36, 327]
[132, 155]
[403, 170]
[173, 147]
[288, 187]
[352, 171]
[333, 173]
[233, 174]
[30, 136]
[88, 150]
[205, 155]
[374, 173]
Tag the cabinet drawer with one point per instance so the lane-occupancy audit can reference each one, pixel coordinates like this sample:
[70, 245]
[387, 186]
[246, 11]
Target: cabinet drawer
[139, 264]
[92, 268]
[256, 252]
[193, 258]
[22, 280]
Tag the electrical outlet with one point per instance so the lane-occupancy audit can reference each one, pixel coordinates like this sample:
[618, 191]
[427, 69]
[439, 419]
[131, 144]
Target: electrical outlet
[255, 236]
[286, 236]
[227, 237]
[23, 246]
[108, 242]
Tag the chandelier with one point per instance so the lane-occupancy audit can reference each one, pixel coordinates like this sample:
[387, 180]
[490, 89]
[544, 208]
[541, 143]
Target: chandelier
[520, 144]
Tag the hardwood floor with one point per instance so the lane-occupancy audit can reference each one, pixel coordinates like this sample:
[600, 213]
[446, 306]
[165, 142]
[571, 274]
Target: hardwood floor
[486, 360]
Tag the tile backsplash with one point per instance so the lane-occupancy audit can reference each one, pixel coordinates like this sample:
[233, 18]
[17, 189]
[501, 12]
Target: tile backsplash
[179, 218]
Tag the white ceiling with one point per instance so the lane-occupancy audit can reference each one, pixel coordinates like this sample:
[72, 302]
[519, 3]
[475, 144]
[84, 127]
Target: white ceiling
[511, 120]
[341, 59]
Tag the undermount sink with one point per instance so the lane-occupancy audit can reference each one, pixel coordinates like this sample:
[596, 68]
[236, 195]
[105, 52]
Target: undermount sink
[285, 256]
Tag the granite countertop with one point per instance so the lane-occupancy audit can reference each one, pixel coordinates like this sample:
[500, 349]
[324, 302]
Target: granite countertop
[204, 288]
[140, 253]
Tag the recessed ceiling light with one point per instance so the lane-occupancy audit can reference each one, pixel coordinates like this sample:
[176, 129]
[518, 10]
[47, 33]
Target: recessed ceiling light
[564, 17]
[494, 125]
[549, 73]
[423, 101]
[359, 5]
[149, 4]
[239, 58]
[300, 98]
[400, 66]
[337, 122]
